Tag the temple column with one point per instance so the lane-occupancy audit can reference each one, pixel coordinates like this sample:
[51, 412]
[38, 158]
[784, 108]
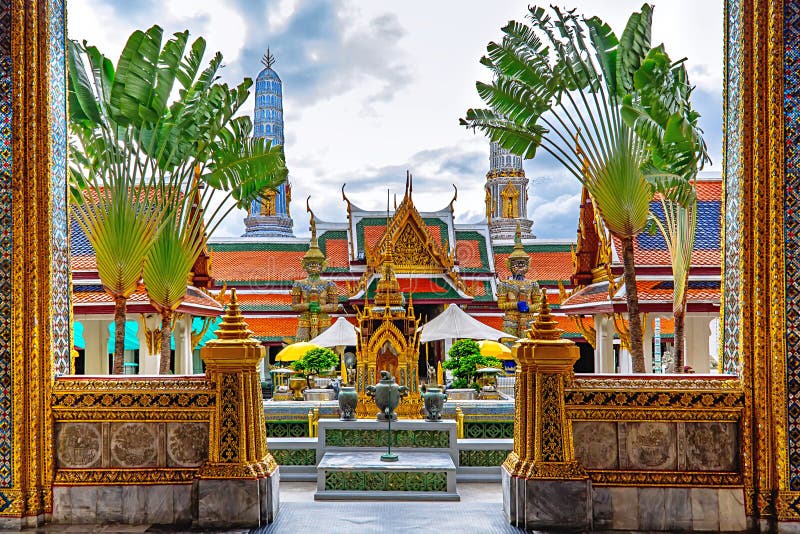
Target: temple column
[697, 332]
[647, 342]
[542, 470]
[625, 361]
[182, 334]
[604, 344]
[96, 334]
[149, 334]
[35, 310]
[238, 485]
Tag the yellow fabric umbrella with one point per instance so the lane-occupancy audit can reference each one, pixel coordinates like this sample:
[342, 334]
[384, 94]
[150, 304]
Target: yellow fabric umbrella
[493, 348]
[295, 351]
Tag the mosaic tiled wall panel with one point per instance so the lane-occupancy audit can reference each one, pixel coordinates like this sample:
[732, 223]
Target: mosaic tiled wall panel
[60, 285]
[791, 36]
[732, 169]
[6, 442]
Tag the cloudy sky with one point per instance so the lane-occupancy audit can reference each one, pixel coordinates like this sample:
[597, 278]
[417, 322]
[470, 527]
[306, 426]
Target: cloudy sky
[372, 88]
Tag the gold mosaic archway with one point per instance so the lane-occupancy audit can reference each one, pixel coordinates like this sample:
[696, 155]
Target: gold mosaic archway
[761, 340]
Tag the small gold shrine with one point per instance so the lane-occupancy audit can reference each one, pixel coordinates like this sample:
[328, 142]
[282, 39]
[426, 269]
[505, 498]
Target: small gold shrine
[388, 341]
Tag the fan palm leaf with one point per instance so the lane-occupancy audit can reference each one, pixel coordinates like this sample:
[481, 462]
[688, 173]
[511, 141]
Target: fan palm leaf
[136, 147]
[557, 86]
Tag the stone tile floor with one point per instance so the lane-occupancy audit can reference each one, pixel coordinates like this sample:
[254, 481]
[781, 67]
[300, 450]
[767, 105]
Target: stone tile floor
[478, 512]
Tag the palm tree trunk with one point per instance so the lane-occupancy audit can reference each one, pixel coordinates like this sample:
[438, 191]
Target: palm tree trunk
[680, 333]
[680, 329]
[634, 319]
[166, 336]
[119, 335]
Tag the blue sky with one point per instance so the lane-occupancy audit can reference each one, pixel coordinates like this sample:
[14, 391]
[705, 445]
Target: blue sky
[372, 88]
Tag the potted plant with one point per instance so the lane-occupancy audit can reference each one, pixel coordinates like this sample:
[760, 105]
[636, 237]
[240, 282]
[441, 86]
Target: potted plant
[315, 361]
[464, 359]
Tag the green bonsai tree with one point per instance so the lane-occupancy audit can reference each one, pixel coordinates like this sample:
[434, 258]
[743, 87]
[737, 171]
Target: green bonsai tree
[315, 362]
[464, 359]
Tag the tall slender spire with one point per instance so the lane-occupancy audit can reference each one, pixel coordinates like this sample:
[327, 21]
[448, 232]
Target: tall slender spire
[270, 217]
[506, 194]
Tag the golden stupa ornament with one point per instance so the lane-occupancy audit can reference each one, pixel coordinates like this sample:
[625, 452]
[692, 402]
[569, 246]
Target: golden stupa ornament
[312, 297]
[544, 327]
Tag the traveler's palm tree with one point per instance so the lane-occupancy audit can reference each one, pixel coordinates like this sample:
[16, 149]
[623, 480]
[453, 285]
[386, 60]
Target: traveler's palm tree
[558, 85]
[134, 155]
[660, 112]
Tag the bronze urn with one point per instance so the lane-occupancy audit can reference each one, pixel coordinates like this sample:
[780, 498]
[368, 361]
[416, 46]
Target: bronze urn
[387, 395]
[433, 403]
[348, 401]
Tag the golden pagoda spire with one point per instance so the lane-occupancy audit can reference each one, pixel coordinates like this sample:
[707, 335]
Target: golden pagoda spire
[544, 327]
[519, 250]
[233, 327]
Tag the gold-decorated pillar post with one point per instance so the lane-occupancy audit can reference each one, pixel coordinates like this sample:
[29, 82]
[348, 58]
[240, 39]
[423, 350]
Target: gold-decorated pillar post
[542, 469]
[238, 485]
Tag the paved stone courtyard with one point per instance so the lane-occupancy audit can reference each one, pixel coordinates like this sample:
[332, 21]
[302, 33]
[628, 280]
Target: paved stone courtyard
[478, 512]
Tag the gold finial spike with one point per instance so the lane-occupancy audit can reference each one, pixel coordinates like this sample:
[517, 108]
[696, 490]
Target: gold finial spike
[233, 326]
[544, 327]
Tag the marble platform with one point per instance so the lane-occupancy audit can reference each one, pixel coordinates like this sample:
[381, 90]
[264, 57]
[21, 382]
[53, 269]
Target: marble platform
[361, 475]
[413, 435]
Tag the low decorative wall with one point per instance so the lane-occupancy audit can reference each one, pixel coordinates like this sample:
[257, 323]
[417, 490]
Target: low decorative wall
[661, 453]
[127, 449]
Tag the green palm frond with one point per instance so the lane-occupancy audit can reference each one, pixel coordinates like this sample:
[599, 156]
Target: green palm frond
[169, 262]
[620, 190]
[120, 231]
[678, 229]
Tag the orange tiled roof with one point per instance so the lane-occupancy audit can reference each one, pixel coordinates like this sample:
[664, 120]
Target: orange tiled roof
[94, 299]
[708, 190]
[272, 327]
[468, 253]
[655, 290]
[235, 265]
[476, 288]
[564, 323]
[649, 292]
[83, 263]
[263, 298]
[337, 253]
[544, 265]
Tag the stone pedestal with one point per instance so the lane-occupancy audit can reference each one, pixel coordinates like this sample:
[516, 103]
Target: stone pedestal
[232, 503]
[238, 485]
[544, 486]
[547, 504]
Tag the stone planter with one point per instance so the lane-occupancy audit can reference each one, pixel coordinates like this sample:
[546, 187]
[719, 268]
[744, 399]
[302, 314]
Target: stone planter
[348, 400]
[461, 394]
[318, 394]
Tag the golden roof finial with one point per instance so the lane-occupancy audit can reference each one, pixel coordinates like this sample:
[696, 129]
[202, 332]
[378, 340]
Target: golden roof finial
[233, 326]
[544, 327]
[519, 250]
[314, 253]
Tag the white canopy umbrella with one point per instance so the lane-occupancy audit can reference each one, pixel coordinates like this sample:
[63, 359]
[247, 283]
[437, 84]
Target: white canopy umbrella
[456, 323]
[340, 333]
